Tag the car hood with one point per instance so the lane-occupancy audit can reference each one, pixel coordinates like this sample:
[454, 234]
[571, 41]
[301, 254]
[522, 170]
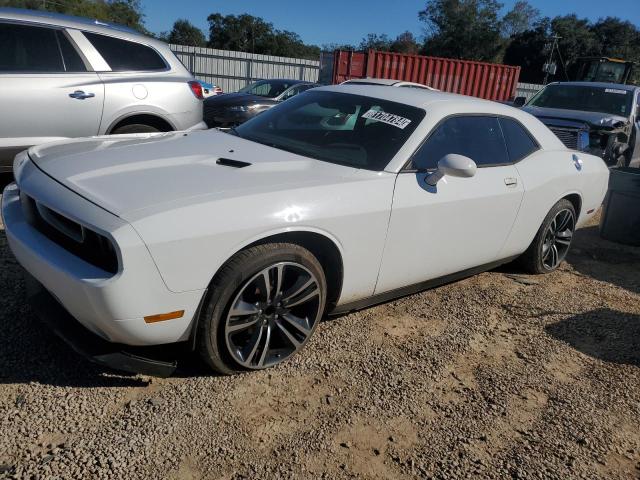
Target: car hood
[231, 99]
[550, 116]
[127, 175]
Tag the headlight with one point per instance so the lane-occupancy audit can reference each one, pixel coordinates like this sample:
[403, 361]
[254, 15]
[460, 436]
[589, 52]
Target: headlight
[244, 108]
[19, 163]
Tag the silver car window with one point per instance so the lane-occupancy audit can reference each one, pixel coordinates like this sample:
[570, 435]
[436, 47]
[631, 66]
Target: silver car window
[27, 48]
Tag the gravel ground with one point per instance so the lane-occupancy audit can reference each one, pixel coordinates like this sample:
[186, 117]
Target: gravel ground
[498, 376]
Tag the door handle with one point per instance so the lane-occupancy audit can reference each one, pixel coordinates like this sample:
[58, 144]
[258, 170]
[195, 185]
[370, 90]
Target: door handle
[511, 181]
[80, 95]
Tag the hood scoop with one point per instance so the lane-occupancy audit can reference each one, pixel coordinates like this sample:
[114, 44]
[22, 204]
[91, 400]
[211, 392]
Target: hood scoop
[228, 162]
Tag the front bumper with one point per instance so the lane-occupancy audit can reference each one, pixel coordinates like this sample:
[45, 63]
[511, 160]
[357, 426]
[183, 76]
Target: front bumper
[111, 306]
[226, 118]
[145, 360]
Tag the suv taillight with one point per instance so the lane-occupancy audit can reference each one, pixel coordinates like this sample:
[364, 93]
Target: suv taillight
[196, 88]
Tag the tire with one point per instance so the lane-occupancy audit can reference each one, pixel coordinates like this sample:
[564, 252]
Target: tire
[134, 128]
[539, 257]
[231, 343]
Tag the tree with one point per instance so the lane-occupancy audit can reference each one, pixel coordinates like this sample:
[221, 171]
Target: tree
[373, 41]
[467, 29]
[405, 43]
[185, 33]
[520, 18]
[124, 12]
[289, 44]
[246, 33]
[330, 47]
[577, 38]
[529, 50]
[617, 38]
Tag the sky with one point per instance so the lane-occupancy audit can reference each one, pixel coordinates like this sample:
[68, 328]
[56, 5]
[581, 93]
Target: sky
[322, 22]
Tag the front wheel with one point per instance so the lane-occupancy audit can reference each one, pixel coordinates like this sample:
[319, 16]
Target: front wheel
[263, 307]
[553, 240]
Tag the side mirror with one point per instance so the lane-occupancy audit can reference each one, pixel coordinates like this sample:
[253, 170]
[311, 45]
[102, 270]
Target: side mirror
[519, 101]
[453, 165]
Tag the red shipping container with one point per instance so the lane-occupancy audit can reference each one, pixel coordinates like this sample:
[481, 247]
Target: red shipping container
[491, 81]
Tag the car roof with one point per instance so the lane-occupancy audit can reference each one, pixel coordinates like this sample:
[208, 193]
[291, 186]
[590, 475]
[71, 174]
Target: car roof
[70, 21]
[619, 86]
[283, 80]
[416, 97]
[371, 81]
[382, 81]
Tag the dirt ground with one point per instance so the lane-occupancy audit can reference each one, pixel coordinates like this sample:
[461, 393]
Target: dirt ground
[498, 376]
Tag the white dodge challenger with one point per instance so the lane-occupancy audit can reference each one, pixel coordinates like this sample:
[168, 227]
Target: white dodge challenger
[237, 243]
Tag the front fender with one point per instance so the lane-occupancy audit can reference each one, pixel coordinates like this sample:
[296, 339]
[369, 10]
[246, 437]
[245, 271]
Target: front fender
[190, 243]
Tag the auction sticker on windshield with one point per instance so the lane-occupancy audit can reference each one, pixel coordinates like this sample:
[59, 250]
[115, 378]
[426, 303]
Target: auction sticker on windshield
[615, 90]
[388, 118]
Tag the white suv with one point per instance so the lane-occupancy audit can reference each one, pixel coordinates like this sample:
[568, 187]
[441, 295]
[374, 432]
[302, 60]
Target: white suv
[64, 77]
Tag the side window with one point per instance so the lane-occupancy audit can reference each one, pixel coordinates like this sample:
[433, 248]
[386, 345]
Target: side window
[24, 48]
[291, 93]
[123, 55]
[262, 90]
[72, 60]
[476, 137]
[520, 143]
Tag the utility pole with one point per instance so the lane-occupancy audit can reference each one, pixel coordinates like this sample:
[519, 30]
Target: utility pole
[550, 67]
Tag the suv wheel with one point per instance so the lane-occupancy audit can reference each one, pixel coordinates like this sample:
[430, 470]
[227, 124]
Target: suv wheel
[263, 307]
[134, 128]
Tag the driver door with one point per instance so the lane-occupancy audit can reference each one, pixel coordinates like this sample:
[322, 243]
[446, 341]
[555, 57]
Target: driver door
[460, 223]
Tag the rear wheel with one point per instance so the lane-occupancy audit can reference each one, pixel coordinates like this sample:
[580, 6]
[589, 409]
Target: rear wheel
[263, 307]
[553, 240]
[134, 128]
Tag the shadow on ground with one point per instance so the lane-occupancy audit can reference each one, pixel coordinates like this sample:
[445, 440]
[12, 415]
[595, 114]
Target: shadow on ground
[603, 334]
[604, 260]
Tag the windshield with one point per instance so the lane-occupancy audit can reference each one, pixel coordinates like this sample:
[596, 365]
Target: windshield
[609, 100]
[266, 88]
[352, 130]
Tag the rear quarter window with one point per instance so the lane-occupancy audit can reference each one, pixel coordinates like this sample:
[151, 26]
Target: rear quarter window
[123, 55]
[520, 142]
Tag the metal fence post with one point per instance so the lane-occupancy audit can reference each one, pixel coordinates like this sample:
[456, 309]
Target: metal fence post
[249, 70]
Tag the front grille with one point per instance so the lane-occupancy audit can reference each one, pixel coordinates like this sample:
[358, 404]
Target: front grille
[211, 112]
[75, 238]
[567, 136]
